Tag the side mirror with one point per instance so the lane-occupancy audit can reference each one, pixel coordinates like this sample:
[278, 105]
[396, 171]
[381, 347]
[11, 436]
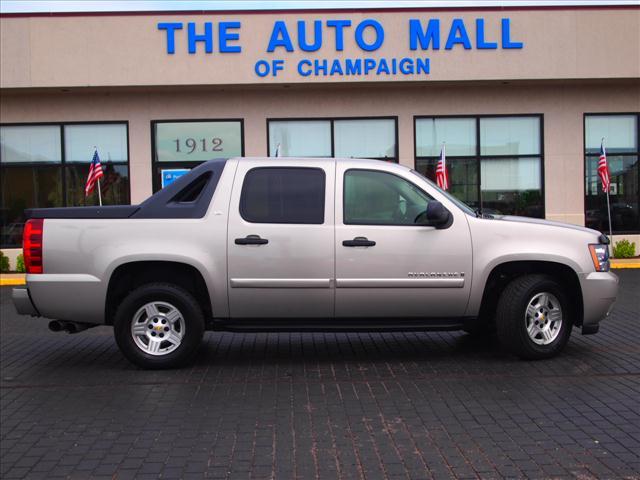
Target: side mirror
[438, 216]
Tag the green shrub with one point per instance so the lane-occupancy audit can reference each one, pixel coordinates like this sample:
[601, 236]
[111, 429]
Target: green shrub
[20, 264]
[4, 263]
[624, 249]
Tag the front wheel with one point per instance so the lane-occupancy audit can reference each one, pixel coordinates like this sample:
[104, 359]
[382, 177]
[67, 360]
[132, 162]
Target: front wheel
[159, 326]
[534, 317]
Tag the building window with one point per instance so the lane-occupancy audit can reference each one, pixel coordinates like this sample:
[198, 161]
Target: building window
[620, 133]
[180, 145]
[336, 137]
[494, 162]
[47, 166]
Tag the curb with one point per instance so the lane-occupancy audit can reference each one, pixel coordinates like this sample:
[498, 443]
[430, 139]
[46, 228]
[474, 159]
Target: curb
[12, 282]
[626, 265]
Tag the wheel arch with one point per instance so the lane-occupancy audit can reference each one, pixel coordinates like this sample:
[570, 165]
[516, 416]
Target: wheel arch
[128, 276]
[504, 273]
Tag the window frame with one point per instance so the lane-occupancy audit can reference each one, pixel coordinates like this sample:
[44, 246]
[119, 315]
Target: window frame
[478, 157]
[281, 167]
[156, 180]
[344, 203]
[332, 120]
[62, 165]
[585, 155]
[63, 161]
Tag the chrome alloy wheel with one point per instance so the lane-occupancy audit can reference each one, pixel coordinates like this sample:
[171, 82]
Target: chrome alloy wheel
[543, 318]
[158, 328]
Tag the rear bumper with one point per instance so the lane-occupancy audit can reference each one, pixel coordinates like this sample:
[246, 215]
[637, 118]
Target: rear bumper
[22, 302]
[70, 297]
[599, 291]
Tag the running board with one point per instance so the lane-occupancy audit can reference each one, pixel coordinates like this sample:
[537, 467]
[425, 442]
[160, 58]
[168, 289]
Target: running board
[336, 325]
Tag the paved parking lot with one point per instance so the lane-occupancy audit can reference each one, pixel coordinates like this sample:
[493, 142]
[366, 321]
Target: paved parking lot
[393, 405]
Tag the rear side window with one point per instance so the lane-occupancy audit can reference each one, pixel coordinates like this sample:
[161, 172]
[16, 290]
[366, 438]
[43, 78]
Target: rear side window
[283, 195]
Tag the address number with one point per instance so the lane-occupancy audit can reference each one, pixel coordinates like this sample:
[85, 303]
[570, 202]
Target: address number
[191, 145]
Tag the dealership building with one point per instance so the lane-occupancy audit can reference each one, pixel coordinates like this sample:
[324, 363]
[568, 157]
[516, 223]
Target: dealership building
[520, 97]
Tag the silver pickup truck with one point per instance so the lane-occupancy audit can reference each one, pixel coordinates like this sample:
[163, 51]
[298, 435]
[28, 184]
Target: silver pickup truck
[266, 244]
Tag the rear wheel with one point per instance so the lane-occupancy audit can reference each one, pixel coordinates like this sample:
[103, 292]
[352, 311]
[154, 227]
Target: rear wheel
[158, 326]
[534, 317]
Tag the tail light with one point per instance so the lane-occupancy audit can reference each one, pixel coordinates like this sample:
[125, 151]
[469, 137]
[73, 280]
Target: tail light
[32, 245]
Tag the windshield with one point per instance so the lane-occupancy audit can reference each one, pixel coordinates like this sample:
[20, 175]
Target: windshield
[463, 206]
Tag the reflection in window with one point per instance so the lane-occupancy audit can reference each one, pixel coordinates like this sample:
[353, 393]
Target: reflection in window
[377, 198]
[307, 138]
[365, 138]
[27, 187]
[502, 174]
[32, 168]
[29, 144]
[80, 141]
[510, 136]
[197, 141]
[512, 186]
[459, 134]
[620, 134]
[345, 137]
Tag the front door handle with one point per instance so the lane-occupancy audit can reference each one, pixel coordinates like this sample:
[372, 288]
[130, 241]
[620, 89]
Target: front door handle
[251, 240]
[358, 242]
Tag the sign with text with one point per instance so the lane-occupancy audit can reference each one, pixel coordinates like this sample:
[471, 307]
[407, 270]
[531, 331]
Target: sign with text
[197, 141]
[171, 175]
[320, 40]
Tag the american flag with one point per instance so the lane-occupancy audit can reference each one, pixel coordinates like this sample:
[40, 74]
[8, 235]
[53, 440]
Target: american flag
[95, 174]
[603, 169]
[442, 177]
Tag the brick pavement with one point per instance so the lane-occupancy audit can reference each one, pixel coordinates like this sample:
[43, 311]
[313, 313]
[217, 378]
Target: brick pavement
[374, 406]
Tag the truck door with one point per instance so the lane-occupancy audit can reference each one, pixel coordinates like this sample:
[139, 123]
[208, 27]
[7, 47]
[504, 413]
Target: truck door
[281, 239]
[386, 264]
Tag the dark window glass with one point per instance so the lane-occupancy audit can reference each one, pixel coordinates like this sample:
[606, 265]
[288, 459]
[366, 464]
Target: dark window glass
[494, 163]
[377, 198]
[35, 174]
[26, 187]
[463, 177]
[624, 196]
[620, 134]
[283, 195]
[114, 186]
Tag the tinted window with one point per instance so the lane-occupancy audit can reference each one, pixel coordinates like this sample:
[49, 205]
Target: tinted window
[378, 198]
[283, 195]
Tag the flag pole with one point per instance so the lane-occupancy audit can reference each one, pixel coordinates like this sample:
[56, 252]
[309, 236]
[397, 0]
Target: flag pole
[100, 194]
[608, 207]
[99, 189]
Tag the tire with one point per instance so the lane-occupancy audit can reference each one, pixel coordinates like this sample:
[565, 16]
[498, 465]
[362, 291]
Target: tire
[534, 318]
[159, 326]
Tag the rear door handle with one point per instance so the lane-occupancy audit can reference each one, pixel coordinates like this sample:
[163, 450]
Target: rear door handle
[251, 240]
[358, 242]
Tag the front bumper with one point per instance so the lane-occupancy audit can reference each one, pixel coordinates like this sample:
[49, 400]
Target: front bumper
[599, 291]
[22, 302]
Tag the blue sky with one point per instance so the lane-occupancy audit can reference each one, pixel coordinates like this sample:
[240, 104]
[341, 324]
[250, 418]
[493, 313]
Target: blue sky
[19, 6]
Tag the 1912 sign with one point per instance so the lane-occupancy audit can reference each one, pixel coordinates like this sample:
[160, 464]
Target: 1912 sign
[197, 141]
